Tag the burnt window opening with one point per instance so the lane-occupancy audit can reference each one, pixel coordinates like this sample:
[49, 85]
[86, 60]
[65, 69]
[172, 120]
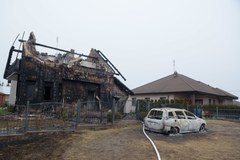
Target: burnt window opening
[91, 105]
[48, 91]
[60, 89]
[31, 90]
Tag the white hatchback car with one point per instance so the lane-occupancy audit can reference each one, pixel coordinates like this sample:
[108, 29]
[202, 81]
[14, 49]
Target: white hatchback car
[173, 120]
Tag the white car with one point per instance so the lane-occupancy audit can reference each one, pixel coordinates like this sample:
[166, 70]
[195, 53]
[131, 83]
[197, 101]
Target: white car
[173, 120]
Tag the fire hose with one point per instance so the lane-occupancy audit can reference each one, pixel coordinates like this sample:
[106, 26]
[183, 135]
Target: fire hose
[155, 148]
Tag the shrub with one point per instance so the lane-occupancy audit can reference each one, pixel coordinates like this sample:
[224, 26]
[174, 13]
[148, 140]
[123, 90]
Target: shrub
[6, 108]
[117, 116]
[142, 115]
[10, 108]
[213, 106]
[2, 111]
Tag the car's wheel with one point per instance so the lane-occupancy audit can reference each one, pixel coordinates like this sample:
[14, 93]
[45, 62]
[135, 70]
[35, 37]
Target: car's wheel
[202, 128]
[174, 130]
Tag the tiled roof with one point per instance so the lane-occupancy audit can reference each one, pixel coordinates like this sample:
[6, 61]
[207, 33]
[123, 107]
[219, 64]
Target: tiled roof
[179, 83]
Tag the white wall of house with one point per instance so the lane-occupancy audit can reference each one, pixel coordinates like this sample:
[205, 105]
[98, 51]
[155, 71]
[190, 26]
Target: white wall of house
[207, 99]
[204, 99]
[129, 108]
[154, 96]
[13, 92]
[6, 91]
[228, 102]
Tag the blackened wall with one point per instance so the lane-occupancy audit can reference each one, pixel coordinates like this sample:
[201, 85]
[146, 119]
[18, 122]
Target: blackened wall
[44, 81]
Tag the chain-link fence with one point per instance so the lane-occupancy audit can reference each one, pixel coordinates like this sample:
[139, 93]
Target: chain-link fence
[39, 117]
[215, 112]
[11, 122]
[54, 116]
[222, 113]
[50, 116]
[94, 112]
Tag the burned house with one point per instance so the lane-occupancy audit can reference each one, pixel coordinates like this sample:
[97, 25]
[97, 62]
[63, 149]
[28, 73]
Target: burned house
[67, 77]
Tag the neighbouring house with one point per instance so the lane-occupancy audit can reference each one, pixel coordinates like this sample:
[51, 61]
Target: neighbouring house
[236, 103]
[2, 98]
[178, 87]
[4, 94]
[67, 77]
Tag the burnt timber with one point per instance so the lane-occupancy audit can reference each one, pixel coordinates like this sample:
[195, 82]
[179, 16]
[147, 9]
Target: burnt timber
[64, 77]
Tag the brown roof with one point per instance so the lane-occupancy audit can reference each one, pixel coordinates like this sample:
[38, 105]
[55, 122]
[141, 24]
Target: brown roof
[180, 83]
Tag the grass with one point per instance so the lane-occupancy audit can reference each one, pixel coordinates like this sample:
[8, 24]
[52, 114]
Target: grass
[222, 141]
[3, 111]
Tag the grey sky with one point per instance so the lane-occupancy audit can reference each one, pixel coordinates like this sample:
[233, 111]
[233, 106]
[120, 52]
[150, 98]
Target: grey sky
[140, 37]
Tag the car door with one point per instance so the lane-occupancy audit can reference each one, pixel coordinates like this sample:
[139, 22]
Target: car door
[182, 121]
[154, 120]
[192, 120]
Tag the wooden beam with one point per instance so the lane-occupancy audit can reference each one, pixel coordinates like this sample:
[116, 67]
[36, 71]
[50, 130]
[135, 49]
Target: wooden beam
[58, 49]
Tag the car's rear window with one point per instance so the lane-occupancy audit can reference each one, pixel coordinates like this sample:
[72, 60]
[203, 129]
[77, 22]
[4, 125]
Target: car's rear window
[154, 114]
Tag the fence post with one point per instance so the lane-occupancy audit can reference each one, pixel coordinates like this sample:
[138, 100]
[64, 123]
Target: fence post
[78, 113]
[137, 110]
[113, 110]
[26, 117]
[148, 106]
[217, 112]
[100, 109]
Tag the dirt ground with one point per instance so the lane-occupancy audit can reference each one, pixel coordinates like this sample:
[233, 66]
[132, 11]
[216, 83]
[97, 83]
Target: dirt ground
[126, 141]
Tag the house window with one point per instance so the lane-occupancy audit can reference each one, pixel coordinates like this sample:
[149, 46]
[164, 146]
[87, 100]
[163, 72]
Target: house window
[147, 98]
[199, 101]
[163, 98]
[209, 101]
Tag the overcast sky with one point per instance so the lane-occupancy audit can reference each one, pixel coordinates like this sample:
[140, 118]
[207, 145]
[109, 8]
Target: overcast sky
[141, 38]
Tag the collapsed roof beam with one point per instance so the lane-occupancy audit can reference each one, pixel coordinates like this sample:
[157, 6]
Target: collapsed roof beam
[110, 64]
[58, 49]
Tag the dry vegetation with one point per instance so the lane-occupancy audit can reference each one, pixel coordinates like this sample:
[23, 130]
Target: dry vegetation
[221, 142]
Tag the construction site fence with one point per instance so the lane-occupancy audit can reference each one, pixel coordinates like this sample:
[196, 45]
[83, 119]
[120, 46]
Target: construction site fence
[54, 116]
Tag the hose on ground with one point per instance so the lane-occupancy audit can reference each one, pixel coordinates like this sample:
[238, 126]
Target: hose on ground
[155, 148]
